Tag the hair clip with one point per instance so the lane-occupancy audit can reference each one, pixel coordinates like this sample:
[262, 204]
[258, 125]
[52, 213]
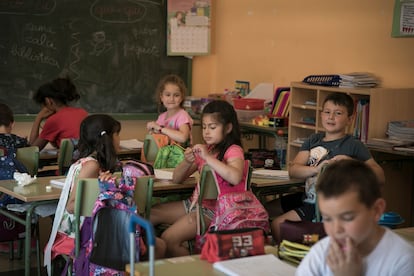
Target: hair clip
[103, 132]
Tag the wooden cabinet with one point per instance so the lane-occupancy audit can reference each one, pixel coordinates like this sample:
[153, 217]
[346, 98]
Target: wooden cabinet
[385, 104]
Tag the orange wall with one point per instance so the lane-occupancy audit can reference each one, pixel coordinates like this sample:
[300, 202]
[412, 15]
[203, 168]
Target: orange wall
[281, 41]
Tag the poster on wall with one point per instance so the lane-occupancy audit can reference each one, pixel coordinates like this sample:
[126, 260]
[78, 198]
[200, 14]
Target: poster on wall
[403, 21]
[188, 27]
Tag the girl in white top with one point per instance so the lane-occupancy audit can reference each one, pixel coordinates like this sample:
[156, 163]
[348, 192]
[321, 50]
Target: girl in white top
[98, 146]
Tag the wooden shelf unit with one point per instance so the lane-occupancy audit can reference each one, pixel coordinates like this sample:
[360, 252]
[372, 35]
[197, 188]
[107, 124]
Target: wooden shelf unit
[386, 104]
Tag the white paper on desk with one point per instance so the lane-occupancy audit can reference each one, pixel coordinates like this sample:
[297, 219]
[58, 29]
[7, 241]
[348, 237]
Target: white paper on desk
[131, 144]
[262, 265]
[277, 174]
[163, 174]
[58, 183]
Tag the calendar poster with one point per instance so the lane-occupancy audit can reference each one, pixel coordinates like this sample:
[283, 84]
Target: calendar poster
[188, 27]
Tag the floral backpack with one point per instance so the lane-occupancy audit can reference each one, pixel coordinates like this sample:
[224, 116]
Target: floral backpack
[100, 255]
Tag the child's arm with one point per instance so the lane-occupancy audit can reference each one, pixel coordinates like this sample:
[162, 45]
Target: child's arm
[298, 168]
[185, 168]
[231, 171]
[181, 135]
[90, 169]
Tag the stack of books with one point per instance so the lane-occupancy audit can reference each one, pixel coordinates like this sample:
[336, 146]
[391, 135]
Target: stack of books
[358, 79]
[281, 101]
[401, 130]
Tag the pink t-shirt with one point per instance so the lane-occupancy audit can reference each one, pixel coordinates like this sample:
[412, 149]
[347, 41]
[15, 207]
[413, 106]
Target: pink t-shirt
[180, 118]
[234, 151]
[63, 124]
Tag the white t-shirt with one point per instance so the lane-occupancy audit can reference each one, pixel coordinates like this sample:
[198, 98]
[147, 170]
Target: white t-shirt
[393, 256]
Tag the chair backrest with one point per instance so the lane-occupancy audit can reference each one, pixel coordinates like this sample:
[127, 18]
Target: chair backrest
[87, 192]
[65, 156]
[29, 157]
[152, 143]
[209, 190]
[143, 195]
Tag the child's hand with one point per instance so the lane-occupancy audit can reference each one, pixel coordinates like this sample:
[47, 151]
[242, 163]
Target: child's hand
[105, 176]
[189, 155]
[201, 150]
[45, 113]
[153, 126]
[344, 259]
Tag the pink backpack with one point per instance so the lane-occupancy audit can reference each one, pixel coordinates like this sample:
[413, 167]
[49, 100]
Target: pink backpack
[238, 210]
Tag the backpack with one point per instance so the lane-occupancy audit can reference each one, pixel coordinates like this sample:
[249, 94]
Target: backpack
[169, 156]
[135, 168]
[238, 210]
[100, 255]
[9, 164]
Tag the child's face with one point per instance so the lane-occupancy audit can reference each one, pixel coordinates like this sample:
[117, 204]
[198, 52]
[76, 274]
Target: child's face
[334, 118]
[171, 97]
[345, 216]
[212, 130]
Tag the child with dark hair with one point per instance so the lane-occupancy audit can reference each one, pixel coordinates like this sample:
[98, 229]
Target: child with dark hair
[62, 120]
[224, 154]
[98, 146]
[9, 143]
[324, 148]
[350, 203]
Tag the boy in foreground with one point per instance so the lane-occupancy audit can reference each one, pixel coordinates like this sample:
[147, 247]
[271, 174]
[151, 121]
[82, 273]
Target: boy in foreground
[350, 202]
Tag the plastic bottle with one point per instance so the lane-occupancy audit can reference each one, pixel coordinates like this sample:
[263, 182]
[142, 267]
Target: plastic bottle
[280, 146]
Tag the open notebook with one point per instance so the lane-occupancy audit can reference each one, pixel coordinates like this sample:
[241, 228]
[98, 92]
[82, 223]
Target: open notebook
[131, 144]
[263, 265]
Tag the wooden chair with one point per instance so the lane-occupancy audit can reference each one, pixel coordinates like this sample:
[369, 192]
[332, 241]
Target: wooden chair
[87, 190]
[143, 195]
[65, 156]
[29, 157]
[209, 189]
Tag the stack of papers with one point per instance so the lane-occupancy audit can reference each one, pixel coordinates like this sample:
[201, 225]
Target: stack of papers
[131, 144]
[358, 79]
[163, 174]
[401, 130]
[263, 265]
[276, 174]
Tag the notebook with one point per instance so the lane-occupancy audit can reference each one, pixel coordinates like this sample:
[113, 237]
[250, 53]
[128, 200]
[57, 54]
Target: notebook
[262, 265]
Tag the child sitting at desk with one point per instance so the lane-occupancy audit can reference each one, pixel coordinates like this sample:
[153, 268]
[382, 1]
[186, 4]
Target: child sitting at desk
[62, 120]
[224, 154]
[174, 122]
[324, 148]
[9, 143]
[350, 202]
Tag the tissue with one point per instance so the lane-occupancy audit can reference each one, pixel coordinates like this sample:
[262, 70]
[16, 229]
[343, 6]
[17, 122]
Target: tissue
[23, 179]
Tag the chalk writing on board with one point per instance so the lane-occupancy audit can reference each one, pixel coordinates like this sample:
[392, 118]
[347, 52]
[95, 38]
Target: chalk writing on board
[113, 50]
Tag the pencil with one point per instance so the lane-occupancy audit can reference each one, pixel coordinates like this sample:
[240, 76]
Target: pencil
[181, 147]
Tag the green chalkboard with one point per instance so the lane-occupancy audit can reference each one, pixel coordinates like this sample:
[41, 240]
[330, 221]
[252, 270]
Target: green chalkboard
[113, 50]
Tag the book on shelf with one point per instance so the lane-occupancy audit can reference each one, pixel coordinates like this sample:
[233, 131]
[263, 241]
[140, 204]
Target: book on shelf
[404, 148]
[276, 95]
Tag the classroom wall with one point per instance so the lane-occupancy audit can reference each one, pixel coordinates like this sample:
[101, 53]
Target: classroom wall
[281, 41]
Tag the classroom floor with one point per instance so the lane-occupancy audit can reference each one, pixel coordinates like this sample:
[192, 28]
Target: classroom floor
[14, 267]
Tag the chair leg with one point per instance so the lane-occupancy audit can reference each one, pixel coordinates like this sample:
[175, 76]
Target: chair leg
[11, 250]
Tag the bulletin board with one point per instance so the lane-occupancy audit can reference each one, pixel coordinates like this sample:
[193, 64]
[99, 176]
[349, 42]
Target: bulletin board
[188, 27]
[403, 20]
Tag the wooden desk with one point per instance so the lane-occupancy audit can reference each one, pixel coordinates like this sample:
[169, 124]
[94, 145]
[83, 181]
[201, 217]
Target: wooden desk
[162, 187]
[35, 193]
[187, 265]
[406, 233]
[267, 186]
[398, 190]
